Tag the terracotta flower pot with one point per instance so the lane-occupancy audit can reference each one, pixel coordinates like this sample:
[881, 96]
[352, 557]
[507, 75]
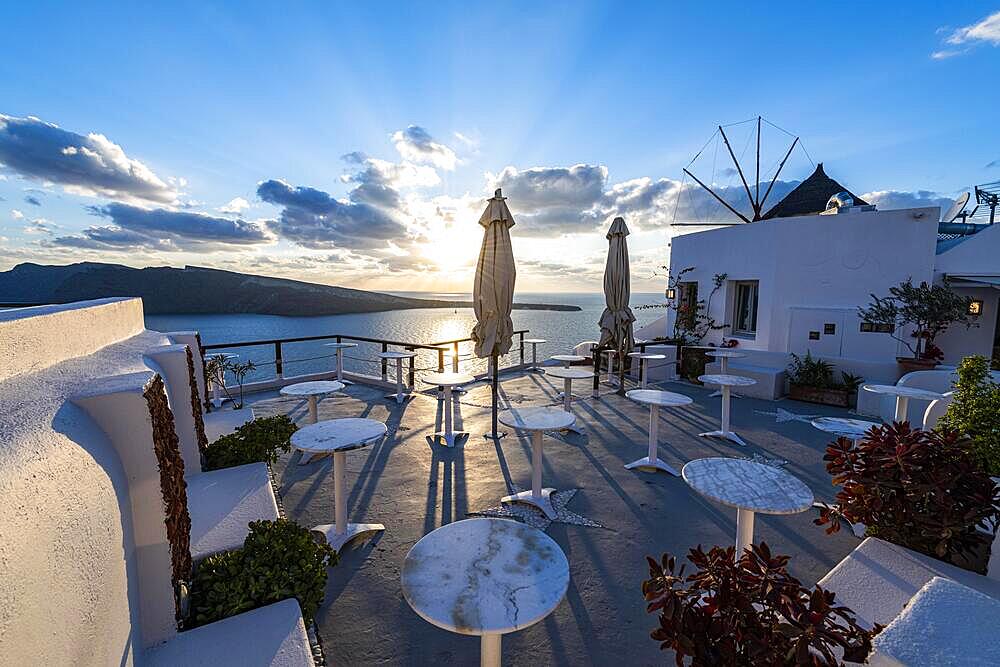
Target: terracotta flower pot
[910, 364]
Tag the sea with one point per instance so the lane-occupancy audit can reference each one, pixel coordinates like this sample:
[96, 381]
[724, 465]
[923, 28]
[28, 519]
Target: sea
[562, 330]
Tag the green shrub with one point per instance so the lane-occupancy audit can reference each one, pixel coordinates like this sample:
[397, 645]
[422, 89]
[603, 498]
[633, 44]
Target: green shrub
[975, 411]
[257, 441]
[812, 372]
[279, 560]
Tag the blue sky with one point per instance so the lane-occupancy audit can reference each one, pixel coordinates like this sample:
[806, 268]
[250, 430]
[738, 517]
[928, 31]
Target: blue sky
[222, 130]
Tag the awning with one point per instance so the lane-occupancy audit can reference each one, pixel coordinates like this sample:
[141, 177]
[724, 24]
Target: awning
[974, 281]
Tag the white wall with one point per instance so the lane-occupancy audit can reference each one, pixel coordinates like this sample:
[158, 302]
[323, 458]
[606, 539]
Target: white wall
[819, 261]
[67, 551]
[32, 339]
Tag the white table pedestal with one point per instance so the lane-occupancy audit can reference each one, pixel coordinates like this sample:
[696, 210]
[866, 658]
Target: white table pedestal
[217, 398]
[744, 530]
[652, 461]
[448, 436]
[342, 532]
[400, 395]
[724, 370]
[340, 366]
[489, 653]
[611, 378]
[567, 397]
[725, 432]
[537, 496]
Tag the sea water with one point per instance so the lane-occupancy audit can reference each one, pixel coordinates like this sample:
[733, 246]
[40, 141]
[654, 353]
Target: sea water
[562, 329]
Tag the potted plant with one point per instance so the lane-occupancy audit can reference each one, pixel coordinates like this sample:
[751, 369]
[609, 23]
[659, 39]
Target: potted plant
[929, 309]
[975, 411]
[924, 490]
[216, 367]
[811, 380]
[280, 559]
[748, 611]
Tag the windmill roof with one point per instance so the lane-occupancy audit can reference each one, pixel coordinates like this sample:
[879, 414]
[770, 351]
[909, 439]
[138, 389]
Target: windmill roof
[810, 196]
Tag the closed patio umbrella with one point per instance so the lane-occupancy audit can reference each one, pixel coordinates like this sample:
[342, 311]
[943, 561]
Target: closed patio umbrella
[617, 318]
[493, 292]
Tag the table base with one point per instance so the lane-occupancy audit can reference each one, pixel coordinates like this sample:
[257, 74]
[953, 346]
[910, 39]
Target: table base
[719, 393]
[727, 435]
[338, 540]
[651, 465]
[544, 502]
[399, 397]
[449, 439]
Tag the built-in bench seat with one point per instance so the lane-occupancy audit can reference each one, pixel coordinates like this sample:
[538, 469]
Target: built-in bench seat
[273, 636]
[879, 578]
[767, 368]
[223, 502]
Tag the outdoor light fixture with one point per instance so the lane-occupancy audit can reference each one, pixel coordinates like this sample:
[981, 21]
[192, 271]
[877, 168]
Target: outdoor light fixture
[976, 307]
[671, 293]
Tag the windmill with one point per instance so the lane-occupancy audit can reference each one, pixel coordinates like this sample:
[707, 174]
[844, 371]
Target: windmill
[756, 200]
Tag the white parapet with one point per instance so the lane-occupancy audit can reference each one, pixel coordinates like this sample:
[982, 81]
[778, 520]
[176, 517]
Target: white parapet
[193, 341]
[33, 339]
[170, 361]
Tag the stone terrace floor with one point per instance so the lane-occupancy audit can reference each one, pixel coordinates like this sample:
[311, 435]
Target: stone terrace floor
[413, 487]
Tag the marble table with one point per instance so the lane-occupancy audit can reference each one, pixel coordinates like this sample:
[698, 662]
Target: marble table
[535, 342]
[400, 394]
[655, 400]
[726, 382]
[485, 577]
[447, 382]
[903, 395]
[644, 359]
[843, 427]
[337, 437]
[568, 375]
[750, 487]
[724, 355]
[536, 421]
[217, 398]
[313, 391]
[568, 359]
[340, 347]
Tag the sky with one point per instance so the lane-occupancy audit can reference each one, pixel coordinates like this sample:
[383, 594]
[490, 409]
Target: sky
[355, 144]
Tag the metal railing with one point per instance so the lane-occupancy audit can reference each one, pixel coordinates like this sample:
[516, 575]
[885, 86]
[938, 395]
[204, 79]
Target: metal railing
[442, 348]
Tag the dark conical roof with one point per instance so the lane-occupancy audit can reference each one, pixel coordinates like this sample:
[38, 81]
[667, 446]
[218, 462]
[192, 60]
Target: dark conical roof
[810, 197]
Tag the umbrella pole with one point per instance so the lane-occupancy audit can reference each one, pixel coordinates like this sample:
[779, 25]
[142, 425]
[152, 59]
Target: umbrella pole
[621, 369]
[495, 362]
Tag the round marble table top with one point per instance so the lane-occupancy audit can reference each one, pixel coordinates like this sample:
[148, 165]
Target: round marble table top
[568, 373]
[537, 419]
[728, 354]
[447, 379]
[748, 485]
[337, 435]
[656, 397]
[568, 357]
[727, 380]
[397, 355]
[849, 428]
[647, 355]
[485, 576]
[535, 340]
[340, 346]
[897, 390]
[317, 388]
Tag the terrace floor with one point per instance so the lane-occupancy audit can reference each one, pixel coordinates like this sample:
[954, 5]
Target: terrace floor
[414, 487]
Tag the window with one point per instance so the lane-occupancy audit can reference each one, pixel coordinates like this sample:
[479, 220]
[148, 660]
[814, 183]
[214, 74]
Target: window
[745, 313]
[687, 304]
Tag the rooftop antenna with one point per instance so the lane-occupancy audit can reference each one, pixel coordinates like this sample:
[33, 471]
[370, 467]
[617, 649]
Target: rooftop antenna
[957, 209]
[756, 201]
[988, 194]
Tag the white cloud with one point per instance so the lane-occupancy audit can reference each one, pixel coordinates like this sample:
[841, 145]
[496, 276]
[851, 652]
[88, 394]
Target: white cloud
[415, 144]
[235, 206]
[987, 30]
[17, 215]
[40, 226]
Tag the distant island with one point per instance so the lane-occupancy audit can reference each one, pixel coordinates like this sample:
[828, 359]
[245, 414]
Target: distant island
[193, 289]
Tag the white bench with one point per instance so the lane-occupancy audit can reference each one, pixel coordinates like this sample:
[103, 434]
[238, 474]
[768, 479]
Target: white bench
[767, 368]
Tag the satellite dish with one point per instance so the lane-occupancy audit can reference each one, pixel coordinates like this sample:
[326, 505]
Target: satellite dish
[956, 209]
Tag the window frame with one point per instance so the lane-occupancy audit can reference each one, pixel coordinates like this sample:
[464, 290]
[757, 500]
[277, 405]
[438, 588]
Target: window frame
[753, 290]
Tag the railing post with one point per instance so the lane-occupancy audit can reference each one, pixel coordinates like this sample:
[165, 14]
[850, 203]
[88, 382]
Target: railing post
[440, 360]
[411, 377]
[522, 347]
[385, 362]
[454, 359]
[277, 360]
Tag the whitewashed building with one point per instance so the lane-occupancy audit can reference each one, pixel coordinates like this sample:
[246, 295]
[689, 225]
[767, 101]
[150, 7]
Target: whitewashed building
[794, 284]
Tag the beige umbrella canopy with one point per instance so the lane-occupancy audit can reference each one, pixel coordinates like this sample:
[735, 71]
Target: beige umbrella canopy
[617, 318]
[493, 292]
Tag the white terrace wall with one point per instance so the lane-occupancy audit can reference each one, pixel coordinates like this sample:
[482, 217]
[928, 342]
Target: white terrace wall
[32, 339]
[67, 560]
[830, 262]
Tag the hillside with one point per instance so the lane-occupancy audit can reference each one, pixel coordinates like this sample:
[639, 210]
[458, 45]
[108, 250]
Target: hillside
[200, 290]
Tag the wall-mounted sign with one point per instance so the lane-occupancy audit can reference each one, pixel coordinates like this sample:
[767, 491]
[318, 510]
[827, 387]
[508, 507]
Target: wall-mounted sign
[829, 329]
[813, 335]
